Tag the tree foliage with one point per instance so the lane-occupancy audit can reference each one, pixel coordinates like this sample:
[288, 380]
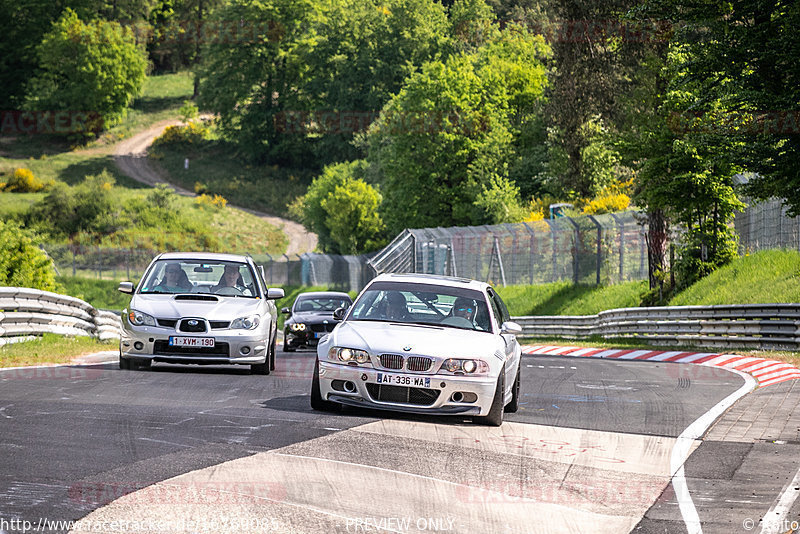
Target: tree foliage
[22, 263]
[687, 174]
[23, 24]
[315, 73]
[87, 66]
[342, 209]
[742, 59]
[443, 146]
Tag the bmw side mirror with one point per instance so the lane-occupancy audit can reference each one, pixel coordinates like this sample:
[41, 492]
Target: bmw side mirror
[510, 327]
[338, 314]
[287, 311]
[275, 293]
[125, 287]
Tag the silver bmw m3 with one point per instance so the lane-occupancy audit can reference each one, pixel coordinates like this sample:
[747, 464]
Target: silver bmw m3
[422, 344]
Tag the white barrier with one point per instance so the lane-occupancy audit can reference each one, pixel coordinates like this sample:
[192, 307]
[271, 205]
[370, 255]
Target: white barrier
[29, 312]
[753, 326]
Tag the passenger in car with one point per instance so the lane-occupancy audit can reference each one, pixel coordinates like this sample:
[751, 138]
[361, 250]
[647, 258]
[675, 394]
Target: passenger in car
[175, 280]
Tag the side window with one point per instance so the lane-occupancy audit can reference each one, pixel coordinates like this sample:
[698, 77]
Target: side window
[495, 310]
[499, 307]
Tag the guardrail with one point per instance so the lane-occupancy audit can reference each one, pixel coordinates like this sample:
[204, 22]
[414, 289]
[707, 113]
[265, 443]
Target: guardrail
[29, 312]
[745, 326]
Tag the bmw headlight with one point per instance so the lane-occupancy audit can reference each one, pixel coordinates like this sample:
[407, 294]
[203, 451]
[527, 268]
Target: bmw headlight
[350, 356]
[246, 323]
[467, 367]
[297, 327]
[138, 318]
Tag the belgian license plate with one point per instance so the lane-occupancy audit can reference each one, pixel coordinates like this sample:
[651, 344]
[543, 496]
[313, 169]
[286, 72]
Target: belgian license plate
[404, 380]
[179, 341]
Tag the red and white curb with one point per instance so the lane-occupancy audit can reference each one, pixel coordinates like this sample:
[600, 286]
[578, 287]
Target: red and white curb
[766, 372]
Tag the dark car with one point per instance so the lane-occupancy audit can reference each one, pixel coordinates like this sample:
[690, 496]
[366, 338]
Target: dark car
[311, 317]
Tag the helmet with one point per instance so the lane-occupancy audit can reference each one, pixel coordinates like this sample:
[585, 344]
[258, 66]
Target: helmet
[464, 307]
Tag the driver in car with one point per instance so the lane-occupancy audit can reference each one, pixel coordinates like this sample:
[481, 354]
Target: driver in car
[463, 307]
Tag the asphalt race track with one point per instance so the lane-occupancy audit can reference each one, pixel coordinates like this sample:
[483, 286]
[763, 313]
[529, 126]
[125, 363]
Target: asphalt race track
[215, 449]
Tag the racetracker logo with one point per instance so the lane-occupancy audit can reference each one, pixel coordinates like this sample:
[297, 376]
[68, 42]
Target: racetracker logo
[211, 493]
[53, 372]
[396, 123]
[208, 32]
[736, 122]
[49, 122]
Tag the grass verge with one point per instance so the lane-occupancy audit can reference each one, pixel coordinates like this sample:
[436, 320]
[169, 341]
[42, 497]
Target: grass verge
[49, 349]
[768, 276]
[564, 298]
[214, 165]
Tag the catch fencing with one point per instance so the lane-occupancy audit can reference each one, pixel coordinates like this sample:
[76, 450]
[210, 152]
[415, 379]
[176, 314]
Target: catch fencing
[345, 273]
[30, 312]
[766, 225]
[743, 326]
[598, 249]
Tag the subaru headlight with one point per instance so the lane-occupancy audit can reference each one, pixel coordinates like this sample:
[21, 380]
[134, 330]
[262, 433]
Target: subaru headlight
[297, 327]
[138, 318]
[350, 356]
[466, 367]
[246, 323]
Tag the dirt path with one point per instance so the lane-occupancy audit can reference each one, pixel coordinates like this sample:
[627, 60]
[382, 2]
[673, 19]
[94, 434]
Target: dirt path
[130, 156]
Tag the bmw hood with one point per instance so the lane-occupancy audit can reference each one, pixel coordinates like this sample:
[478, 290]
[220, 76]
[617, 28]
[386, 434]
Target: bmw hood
[215, 308]
[394, 338]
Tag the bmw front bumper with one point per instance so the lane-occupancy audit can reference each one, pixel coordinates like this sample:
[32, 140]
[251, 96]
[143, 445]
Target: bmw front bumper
[437, 395]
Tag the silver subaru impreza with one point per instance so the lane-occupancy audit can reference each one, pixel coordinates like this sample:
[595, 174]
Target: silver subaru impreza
[200, 308]
[422, 344]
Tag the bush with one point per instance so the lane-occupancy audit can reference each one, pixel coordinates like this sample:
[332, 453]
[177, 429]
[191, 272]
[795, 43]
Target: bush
[191, 134]
[88, 207]
[188, 111]
[613, 198]
[22, 263]
[215, 202]
[23, 181]
[607, 204]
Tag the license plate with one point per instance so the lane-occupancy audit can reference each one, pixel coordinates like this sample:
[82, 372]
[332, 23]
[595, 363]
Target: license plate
[404, 380]
[177, 341]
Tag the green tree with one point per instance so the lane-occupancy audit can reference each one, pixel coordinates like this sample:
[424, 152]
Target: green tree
[595, 56]
[742, 56]
[22, 263]
[342, 209]
[87, 66]
[686, 175]
[315, 73]
[23, 24]
[443, 146]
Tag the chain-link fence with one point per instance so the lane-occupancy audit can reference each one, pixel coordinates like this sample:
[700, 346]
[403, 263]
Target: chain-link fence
[345, 273]
[590, 250]
[765, 225]
[597, 249]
